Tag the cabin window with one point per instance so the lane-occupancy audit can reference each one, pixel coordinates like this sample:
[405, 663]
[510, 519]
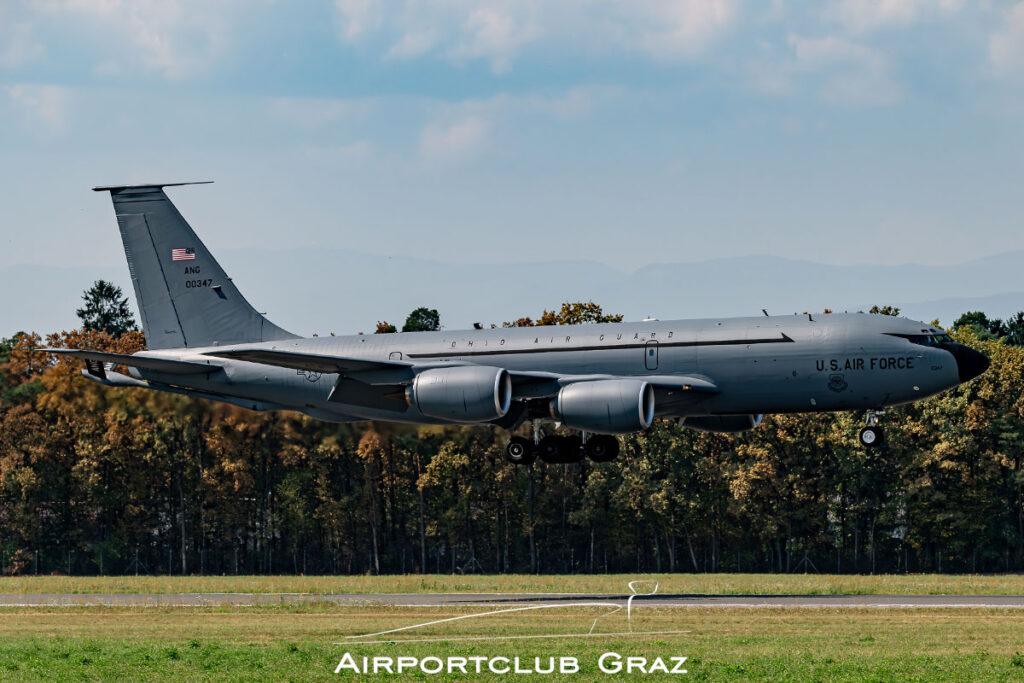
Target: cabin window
[927, 339]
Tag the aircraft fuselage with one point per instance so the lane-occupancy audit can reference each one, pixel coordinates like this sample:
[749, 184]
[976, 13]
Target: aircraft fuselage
[760, 364]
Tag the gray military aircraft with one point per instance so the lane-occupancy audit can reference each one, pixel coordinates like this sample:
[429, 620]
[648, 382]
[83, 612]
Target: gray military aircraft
[205, 340]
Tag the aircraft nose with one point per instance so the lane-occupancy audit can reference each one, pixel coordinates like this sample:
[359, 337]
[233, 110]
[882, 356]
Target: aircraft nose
[969, 363]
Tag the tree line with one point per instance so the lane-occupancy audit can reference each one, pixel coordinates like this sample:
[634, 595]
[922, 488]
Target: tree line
[97, 480]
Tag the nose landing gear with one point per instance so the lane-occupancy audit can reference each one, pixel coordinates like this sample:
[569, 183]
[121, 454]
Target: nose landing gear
[872, 435]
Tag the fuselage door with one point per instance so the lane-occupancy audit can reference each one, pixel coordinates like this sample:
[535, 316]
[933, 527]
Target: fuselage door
[395, 355]
[651, 355]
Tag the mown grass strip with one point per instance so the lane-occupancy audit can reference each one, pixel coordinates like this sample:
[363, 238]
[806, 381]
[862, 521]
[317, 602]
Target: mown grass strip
[722, 644]
[728, 584]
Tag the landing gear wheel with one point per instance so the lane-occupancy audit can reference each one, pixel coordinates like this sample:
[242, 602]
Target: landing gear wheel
[560, 449]
[550, 448]
[519, 451]
[871, 436]
[602, 448]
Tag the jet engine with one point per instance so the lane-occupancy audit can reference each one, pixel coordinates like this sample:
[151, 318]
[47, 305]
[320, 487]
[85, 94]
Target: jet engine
[464, 393]
[728, 424]
[607, 406]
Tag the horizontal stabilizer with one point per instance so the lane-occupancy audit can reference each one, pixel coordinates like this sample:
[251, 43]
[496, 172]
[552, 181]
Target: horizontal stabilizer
[311, 362]
[118, 380]
[168, 366]
[155, 186]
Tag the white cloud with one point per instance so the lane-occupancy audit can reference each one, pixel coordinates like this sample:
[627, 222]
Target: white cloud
[18, 45]
[455, 141]
[413, 44]
[445, 131]
[842, 72]
[682, 29]
[850, 74]
[499, 31]
[868, 15]
[1006, 47]
[358, 16]
[495, 33]
[817, 53]
[176, 38]
[46, 105]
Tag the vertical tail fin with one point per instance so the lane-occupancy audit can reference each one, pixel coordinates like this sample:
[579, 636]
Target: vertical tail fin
[184, 296]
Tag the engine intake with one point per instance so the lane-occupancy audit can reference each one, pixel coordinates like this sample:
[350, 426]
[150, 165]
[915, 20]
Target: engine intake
[465, 393]
[606, 406]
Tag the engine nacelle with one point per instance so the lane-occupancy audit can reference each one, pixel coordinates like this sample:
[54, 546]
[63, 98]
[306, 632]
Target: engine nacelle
[726, 424]
[464, 393]
[606, 406]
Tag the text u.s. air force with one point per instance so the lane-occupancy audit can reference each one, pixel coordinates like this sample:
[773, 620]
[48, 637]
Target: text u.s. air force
[873, 363]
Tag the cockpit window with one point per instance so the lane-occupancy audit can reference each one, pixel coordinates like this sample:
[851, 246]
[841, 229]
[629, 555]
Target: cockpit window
[926, 339]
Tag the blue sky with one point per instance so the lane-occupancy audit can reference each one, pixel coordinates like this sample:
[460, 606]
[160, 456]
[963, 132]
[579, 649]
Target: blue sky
[625, 132]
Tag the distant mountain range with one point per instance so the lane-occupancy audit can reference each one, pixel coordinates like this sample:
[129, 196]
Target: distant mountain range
[322, 290]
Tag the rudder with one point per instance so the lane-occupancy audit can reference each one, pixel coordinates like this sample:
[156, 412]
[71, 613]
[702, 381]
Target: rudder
[185, 298]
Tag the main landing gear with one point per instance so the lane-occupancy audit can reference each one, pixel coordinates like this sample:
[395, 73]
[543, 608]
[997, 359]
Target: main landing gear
[602, 448]
[560, 449]
[519, 451]
[872, 435]
[555, 449]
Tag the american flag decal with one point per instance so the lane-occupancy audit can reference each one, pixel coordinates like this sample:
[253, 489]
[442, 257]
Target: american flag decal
[183, 254]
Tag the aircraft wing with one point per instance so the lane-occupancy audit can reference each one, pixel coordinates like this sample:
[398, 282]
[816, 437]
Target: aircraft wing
[169, 366]
[372, 383]
[528, 384]
[314, 362]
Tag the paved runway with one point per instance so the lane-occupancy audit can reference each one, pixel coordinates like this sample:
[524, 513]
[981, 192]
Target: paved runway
[504, 599]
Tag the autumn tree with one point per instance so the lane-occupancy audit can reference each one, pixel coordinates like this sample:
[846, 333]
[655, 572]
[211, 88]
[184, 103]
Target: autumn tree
[98, 479]
[884, 310]
[571, 313]
[1014, 329]
[422, 320]
[13, 388]
[981, 324]
[106, 309]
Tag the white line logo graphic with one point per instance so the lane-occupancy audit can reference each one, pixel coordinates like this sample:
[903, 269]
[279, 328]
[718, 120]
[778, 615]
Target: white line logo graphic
[612, 604]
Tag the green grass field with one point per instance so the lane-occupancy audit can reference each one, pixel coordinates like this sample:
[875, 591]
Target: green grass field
[300, 643]
[306, 641]
[812, 584]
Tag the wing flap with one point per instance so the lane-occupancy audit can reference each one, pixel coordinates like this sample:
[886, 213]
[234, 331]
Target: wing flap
[316, 362]
[168, 366]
